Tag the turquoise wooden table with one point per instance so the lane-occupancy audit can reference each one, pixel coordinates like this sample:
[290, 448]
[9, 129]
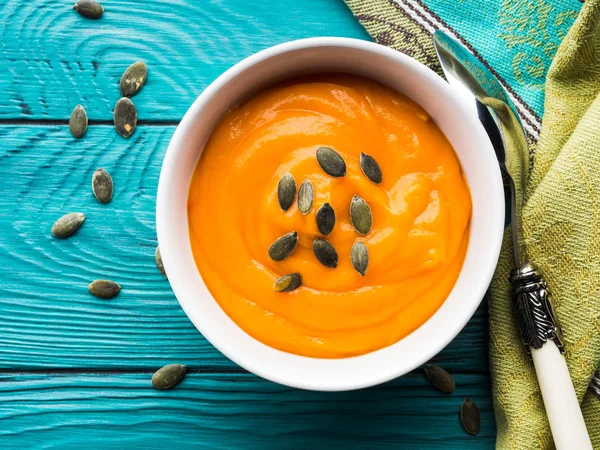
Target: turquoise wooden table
[75, 370]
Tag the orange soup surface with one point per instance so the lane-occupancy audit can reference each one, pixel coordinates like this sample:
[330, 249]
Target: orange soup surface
[416, 246]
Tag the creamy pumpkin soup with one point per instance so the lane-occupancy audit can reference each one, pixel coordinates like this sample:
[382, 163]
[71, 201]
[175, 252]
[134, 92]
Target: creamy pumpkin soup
[329, 216]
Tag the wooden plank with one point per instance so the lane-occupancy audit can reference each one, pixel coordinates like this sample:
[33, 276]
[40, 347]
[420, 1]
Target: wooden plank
[47, 316]
[234, 411]
[52, 59]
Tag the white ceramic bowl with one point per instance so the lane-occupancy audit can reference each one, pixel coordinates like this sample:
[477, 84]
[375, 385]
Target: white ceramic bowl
[455, 119]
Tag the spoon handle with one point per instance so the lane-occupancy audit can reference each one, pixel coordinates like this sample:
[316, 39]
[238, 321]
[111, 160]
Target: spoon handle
[541, 333]
[564, 414]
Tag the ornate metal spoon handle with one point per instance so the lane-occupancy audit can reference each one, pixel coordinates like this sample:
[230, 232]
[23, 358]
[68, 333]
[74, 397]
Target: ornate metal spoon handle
[542, 337]
[533, 307]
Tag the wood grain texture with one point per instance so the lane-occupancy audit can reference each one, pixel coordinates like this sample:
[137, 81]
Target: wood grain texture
[47, 317]
[51, 58]
[90, 361]
[231, 412]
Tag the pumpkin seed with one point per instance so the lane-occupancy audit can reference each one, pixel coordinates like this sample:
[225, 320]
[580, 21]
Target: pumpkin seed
[325, 253]
[67, 224]
[125, 117]
[168, 376]
[78, 122]
[440, 378]
[370, 168]
[325, 219]
[286, 191]
[89, 9]
[102, 186]
[159, 262]
[283, 246]
[331, 162]
[360, 215]
[133, 79]
[105, 289]
[469, 416]
[306, 195]
[359, 255]
[287, 283]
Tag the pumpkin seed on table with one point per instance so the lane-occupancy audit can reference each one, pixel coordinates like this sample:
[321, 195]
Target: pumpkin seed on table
[370, 168]
[78, 122]
[283, 246]
[325, 253]
[331, 162]
[102, 185]
[67, 224]
[325, 219]
[168, 376]
[360, 215]
[286, 191]
[105, 289]
[440, 378]
[469, 416]
[159, 262]
[359, 255]
[125, 117]
[133, 79]
[287, 283]
[89, 9]
[306, 196]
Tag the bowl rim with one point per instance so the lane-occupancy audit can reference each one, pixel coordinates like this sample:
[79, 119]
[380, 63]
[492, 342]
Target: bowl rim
[390, 371]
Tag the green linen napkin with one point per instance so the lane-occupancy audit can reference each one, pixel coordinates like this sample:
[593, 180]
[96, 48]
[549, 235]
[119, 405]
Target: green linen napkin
[561, 213]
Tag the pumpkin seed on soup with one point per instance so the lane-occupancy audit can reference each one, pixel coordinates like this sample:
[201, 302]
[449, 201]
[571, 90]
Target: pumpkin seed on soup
[283, 246]
[102, 185]
[78, 122]
[105, 289]
[440, 378]
[325, 219]
[67, 224]
[168, 376]
[325, 253]
[133, 79]
[89, 9]
[360, 215]
[370, 168]
[125, 117]
[469, 416]
[331, 162]
[286, 191]
[287, 283]
[359, 255]
[306, 196]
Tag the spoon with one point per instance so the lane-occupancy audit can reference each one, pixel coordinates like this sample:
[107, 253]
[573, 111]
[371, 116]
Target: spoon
[539, 328]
